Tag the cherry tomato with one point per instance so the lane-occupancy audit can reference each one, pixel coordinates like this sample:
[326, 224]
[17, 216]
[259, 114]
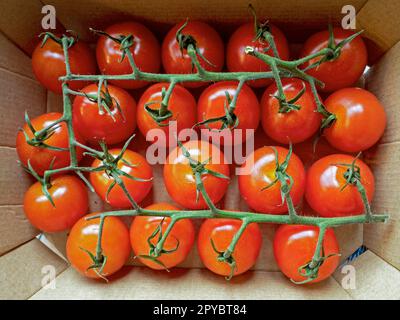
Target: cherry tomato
[293, 126]
[343, 71]
[212, 104]
[134, 165]
[221, 232]
[180, 238]
[94, 124]
[360, 119]
[70, 203]
[237, 60]
[208, 42]
[40, 157]
[326, 192]
[48, 64]
[181, 104]
[294, 246]
[180, 180]
[261, 168]
[145, 51]
[114, 244]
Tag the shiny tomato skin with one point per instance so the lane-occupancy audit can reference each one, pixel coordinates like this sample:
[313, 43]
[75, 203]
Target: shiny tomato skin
[296, 125]
[343, 71]
[70, 199]
[222, 231]
[145, 51]
[360, 119]
[143, 227]
[180, 180]
[237, 60]
[137, 189]
[262, 173]
[209, 43]
[41, 158]
[114, 244]
[48, 64]
[181, 103]
[325, 180]
[95, 126]
[294, 246]
[212, 103]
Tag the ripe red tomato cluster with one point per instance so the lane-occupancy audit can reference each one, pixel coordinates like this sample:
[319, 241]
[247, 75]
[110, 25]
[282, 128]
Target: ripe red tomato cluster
[110, 114]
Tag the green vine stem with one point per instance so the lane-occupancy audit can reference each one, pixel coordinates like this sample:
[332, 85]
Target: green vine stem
[280, 69]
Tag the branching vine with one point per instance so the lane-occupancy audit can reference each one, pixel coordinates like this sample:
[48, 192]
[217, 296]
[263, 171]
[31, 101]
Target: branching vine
[279, 69]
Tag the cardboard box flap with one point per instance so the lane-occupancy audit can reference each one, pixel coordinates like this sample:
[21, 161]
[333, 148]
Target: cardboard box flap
[370, 278]
[381, 22]
[144, 283]
[25, 269]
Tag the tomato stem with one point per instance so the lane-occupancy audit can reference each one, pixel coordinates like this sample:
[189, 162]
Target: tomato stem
[279, 69]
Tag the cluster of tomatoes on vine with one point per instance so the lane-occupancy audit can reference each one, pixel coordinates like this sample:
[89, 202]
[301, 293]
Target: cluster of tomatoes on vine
[109, 115]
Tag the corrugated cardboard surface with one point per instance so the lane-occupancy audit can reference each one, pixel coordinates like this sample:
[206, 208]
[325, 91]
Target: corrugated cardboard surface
[383, 80]
[380, 19]
[374, 278]
[142, 283]
[22, 270]
[20, 22]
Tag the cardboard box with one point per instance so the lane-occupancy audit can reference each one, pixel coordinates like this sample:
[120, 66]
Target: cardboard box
[24, 259]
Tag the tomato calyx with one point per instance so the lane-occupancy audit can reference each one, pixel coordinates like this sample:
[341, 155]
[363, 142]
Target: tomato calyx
[71, 40]
[333, 50]
[156, 250]
[110, 168]
[225, 257]
[353, 177]
[99, 262]
[199, 169]
[228, 121]
[310, 269]
[286, 106]
[281, 176]
[163, 113]
[125, 42]
[45, 181]
[188, 42]
[106, 102]
[39, 137]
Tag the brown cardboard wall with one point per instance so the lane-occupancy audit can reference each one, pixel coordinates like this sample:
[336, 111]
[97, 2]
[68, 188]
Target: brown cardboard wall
[22, 270]
[380, 19]
[79, 15]
[383, 80]
[19, 92]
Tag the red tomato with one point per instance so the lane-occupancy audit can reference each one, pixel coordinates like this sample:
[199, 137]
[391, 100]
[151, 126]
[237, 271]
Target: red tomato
[325, 182]
[212, 103]
[70, 199]
[137, 189]
[294, 246]
[262, 173]
[39, 157]
[360, 119]
[221, 232]
[343, 71]
[180, 180]
[145, 51]
[237, 60]
[48, 64]
[181, 104]
[296, 125]
[208, 42]
[114, 244]
[180, 237]
[95, 125]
